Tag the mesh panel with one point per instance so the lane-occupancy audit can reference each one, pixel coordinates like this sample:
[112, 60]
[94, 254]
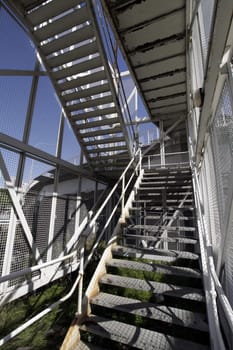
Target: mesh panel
[206, 12]
[22, 255]
[64, 225]
[222, 138]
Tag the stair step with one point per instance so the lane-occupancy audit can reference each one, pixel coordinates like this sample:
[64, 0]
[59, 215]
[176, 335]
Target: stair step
[164, 314]
[60, 25]
[170, 170]
[154, 228]
[80, 81]
[167, 184]
[157, 217]
[102, 132]
[167, 176]
[159, 290]
[87, 346]
[155, 267]
[135, 337]
[50, 10]
[157, 190]
[158, 201]
[107, 149]
[178, 240]
[67, 40]
[87, 92]
[72, 55]
[150, 205]
[168, 256]
[115, 139]
[78, 68]
[96, 113]
[94, 102]
[97, 123]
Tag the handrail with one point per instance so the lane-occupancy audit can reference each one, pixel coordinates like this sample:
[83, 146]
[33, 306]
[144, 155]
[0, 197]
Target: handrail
[82, 264]
[212, 284]
[34, 268]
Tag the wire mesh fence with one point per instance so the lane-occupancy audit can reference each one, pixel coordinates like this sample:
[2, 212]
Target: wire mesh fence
[52, 211]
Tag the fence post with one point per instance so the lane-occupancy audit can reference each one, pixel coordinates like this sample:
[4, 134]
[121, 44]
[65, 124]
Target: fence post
[123, 199]
[81, 273]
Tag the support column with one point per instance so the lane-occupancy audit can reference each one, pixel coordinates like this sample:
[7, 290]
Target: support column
[55, 190]
[162, 144]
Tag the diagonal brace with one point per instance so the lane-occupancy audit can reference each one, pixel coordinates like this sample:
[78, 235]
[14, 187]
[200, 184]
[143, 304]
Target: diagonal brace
[18, 209]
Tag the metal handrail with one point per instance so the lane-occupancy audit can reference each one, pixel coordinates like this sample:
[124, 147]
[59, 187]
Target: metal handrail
[213, 287]
[28, 270]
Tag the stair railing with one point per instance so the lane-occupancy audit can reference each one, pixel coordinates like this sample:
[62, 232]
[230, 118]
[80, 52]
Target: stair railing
[135, 167]
[212, 285]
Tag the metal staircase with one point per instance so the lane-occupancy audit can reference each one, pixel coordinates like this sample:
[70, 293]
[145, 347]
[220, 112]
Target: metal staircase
[67, 38]
[147, 291]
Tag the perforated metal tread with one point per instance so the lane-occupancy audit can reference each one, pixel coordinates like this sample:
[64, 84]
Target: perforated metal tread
[154, 228]
[167, 314]
[87, 346]
[141, 204]
[157, 217]
[154, 254]
[153, 267]
[183, 240]
[157, 288]
[135, 337]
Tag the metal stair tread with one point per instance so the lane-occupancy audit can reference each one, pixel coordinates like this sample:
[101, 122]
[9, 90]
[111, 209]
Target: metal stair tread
[154, 228]
[75, 18]
[159, 289]
[155, 267]
[68, 40]
[50, 10]
[80, 81]
[87, 346]
[178, 188]
[72, 54]
[106, 141]
[159, 200]
[96, 123]
[99, 132]
[94, 102]
[107, 149]
[182, 240]
[162, 313]
[135, 337]
[160, 207]
[157, 217]
[96, 113]
[155, 254]
[92, 91]
[78, 68]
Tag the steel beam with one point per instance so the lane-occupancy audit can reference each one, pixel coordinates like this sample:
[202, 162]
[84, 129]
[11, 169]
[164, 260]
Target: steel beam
[19, 146]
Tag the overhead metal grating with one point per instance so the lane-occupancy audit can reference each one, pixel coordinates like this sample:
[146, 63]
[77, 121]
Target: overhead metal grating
[153, 37]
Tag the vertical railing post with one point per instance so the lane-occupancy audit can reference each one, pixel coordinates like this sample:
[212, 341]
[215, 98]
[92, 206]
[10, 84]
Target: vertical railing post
[162, 144]
[140, 161]
[81, 273]
[123, 198]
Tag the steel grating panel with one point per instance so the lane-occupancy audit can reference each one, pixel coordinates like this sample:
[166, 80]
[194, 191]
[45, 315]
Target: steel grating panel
[153, 37]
